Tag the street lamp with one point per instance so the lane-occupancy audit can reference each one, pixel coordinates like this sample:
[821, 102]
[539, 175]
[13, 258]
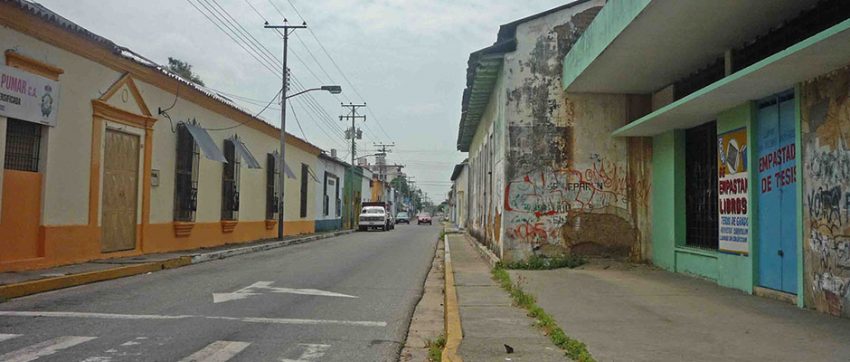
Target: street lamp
[333, 89]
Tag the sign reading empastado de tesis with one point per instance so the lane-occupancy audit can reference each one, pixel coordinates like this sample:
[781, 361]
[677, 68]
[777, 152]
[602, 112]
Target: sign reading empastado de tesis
[28, 97]
[733, 185]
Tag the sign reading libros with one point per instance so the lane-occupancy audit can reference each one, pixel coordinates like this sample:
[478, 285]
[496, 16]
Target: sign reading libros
[28, 97]
[733, 187]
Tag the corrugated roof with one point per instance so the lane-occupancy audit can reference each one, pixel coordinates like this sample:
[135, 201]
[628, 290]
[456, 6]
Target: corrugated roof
[47, 15]
[482, 72]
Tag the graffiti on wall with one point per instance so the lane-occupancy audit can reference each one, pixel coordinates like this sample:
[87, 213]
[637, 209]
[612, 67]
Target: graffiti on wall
[826, 192]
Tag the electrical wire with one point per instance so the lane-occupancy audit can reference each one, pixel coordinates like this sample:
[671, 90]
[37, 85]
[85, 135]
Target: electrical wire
[255, 116]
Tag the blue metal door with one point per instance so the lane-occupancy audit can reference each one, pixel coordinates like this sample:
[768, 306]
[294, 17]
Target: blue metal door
[777, 201]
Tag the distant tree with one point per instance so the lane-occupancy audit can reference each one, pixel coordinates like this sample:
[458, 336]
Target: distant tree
[184, 70]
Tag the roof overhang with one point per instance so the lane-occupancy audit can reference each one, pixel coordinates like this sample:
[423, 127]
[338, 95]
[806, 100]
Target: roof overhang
[641, 46]
[826, 51]
[484, 72]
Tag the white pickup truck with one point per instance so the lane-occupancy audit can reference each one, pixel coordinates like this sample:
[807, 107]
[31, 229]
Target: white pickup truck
[375, 217]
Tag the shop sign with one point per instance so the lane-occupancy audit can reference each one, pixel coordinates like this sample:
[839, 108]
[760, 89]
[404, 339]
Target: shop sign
[28, 97]
[733, 187]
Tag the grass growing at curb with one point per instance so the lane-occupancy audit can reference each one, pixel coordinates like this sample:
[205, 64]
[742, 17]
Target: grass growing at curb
[572, 347]
[435, 348]
[543, 263]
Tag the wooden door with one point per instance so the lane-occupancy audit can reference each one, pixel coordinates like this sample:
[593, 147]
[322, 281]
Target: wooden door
[120, 191]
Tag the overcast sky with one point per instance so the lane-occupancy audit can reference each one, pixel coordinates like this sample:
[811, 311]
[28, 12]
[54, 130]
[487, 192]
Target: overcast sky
[406, 59]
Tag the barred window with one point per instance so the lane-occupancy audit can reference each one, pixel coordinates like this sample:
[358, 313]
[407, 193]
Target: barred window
[23, 144]
[272, 175]
[304, 174]
[230, 183]
[186, 176]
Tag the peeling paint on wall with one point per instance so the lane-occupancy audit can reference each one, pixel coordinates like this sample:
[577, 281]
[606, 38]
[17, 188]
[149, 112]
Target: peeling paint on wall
[826, 192]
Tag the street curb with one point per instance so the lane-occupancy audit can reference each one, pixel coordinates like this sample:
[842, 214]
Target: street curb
[488, 254]
[43, 285]
[17, 290]
[454, 331]
[222, 254]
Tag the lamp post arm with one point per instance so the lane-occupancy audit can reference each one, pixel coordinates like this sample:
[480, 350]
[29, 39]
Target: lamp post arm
[302, 92]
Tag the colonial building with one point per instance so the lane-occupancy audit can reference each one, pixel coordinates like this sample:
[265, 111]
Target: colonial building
[544, 175]
[109, 155]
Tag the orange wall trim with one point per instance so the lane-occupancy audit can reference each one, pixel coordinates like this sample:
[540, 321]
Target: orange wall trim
[19, 231]
[69, 244]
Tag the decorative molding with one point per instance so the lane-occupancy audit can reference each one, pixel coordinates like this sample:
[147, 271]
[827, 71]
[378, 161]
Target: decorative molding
[270, 224]
[127, 80]
[23, 62]
[183, 228]
[104, 110]
[227, 226]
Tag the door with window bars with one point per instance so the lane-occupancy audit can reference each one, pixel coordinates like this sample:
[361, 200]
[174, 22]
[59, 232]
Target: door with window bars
[186, 176]
[230, 183]
[701, 186]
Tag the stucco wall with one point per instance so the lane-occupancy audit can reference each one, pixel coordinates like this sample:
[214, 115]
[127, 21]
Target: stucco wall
[825, 110]
[569, 186]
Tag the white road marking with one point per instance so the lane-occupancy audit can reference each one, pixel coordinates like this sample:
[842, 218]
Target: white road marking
[42, 349]
[4, 337]
[312, 352]
[218, 351]
[166, 317]
[256, 288]
[90, 315]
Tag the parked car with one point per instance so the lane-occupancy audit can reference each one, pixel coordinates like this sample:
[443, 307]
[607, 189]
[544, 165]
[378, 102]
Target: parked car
[423, 219]
[373, 217]
[402, 217]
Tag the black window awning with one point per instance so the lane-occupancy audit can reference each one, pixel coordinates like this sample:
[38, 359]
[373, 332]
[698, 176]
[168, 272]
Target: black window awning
[244, 153]
[205, 143]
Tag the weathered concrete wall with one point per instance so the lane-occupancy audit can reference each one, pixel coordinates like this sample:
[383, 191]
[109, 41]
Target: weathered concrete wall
[825, 109]
[569, 186]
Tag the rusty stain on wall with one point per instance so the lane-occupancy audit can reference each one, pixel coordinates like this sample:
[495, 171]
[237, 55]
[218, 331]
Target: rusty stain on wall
[825, 108]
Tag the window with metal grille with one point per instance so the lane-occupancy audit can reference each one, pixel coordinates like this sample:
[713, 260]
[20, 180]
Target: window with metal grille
[272, 174]
[325, 198]
[304, 175]
[186, 176]
[338, 200]
[23, 145]
[230, 183]
[701, 186]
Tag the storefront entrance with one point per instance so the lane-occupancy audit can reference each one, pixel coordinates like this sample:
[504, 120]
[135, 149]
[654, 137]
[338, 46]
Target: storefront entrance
[776, 130]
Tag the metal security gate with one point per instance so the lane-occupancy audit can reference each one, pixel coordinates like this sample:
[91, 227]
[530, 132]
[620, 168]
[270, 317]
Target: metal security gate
[120, 191]
[701, 186]
[777, 194]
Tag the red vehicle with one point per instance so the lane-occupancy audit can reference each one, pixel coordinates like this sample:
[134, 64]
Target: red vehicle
[423, 219]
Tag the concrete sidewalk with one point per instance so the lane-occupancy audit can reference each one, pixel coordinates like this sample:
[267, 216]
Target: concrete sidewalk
[18, 284]
[488, 319]
[629, 312]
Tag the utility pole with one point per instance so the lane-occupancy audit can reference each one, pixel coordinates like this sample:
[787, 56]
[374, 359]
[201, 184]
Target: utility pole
[381, 159]
[285, 83]
[354, 134]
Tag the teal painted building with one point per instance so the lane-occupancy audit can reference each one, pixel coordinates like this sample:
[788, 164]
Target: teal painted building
[352, 195]
[749, 122]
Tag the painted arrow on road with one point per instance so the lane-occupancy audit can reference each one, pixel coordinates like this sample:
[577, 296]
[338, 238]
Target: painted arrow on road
[260, 288]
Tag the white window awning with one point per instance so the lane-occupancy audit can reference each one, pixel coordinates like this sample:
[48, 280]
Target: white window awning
[286, 168]
[244, 153]
[205, 143]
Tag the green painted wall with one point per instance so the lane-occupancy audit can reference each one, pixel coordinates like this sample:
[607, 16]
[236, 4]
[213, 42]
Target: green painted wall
[357, 182]
[668, 204]
[736, 271]
[668, 161]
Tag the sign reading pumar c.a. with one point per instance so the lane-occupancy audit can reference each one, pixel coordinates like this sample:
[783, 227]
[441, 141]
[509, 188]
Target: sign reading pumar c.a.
[28, 97]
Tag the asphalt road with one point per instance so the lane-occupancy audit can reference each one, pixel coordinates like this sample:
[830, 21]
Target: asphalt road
[347, 298]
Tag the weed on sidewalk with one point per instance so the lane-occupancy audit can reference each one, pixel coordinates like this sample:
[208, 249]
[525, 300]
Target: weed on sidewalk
[435, 348]
[572, 347]
[545, 263]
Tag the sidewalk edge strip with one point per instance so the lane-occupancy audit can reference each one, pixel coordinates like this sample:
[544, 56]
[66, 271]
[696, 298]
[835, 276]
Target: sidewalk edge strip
[454, 331]
[22, 289]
